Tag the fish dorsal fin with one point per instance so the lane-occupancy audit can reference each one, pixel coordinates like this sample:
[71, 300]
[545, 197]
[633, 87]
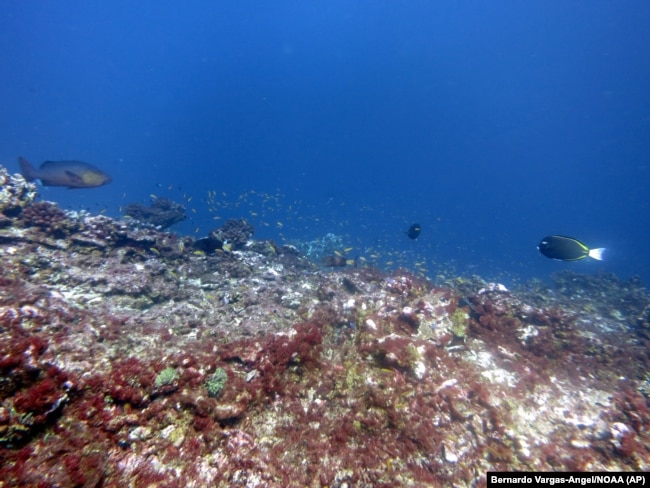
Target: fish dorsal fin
[46, 164]
[64, 163]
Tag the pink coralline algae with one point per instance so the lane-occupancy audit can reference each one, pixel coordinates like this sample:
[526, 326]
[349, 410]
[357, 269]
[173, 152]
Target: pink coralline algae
[111, 333]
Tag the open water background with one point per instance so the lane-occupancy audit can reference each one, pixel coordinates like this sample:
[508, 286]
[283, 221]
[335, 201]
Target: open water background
[492, 124]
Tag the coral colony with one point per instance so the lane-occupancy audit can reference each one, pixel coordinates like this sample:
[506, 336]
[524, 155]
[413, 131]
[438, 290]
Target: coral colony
[134, 357]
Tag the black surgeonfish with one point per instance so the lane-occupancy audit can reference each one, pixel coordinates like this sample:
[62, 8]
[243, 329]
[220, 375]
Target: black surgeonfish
[337, 261]
[414, 231]
[73, 174]
[568, 249]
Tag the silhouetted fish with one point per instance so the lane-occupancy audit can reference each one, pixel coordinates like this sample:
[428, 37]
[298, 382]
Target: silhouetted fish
[414, 231]
[73, 174]
[337, 261]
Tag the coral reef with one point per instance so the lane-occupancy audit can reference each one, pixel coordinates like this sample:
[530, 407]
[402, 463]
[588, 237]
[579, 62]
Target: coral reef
[50, 219]
[162, 212]
[127, 358]
[15, 194]
[317, 249]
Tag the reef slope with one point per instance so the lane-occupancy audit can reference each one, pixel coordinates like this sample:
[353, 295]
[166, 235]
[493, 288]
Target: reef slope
[127, 358]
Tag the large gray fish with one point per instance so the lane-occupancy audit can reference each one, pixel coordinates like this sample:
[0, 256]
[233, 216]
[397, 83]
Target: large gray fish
[73, 174]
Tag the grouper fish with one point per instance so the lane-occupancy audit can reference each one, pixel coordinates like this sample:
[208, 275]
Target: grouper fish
[73, 174]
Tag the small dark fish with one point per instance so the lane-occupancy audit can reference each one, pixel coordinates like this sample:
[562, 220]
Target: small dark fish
[337, 261]
[414, 231]
[207, 244]
[568, 249]
[73, 174]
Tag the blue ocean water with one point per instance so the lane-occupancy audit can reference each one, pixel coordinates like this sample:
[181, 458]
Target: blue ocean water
[492, 124]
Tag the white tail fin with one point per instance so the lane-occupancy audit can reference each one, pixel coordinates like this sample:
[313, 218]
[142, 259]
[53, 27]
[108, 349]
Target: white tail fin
[597, 253]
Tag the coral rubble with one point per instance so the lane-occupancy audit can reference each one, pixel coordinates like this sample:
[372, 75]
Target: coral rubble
[127, 358]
